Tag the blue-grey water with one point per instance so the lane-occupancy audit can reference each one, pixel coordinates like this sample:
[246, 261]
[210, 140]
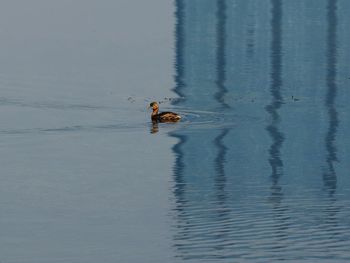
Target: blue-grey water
[256, 171]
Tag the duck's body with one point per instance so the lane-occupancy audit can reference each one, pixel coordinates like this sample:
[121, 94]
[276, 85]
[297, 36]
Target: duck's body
[167, 116]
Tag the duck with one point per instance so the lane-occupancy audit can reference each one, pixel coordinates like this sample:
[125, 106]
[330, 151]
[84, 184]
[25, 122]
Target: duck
[166, 116]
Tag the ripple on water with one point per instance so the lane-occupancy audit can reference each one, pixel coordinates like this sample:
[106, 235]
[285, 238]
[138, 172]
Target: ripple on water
[254, 229]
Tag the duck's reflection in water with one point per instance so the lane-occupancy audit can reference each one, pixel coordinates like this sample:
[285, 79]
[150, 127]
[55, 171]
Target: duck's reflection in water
[154, 127]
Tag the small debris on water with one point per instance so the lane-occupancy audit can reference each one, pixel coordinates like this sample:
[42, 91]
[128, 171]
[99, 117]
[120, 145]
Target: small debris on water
[131, 100]
[295, 99]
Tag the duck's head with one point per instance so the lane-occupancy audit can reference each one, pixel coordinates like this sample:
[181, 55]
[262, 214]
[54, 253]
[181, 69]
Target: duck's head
[154, 105]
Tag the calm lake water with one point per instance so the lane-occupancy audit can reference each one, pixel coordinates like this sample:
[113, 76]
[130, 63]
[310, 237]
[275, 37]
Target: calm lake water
[256, 171]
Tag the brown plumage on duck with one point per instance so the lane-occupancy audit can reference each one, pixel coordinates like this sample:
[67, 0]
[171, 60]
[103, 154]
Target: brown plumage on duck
[163, 116]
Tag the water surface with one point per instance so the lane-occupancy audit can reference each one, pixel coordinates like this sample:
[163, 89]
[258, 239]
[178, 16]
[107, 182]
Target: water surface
[256, 171]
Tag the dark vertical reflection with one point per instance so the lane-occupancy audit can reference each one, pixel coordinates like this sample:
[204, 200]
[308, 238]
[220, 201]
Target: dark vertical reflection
[179, 180]
[221, 77]
[179, 46]
[220, 53]
[220, 161]
[277, 136]
[220, 177]
[275, 160]
[179, 171]
[329, 176]
[221, 203]
[179, 84]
